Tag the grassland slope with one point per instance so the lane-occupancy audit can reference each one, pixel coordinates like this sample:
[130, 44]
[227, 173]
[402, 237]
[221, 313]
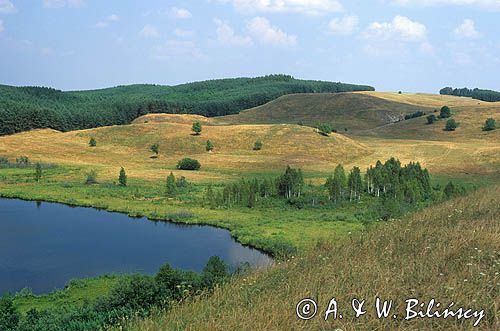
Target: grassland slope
[449, 252]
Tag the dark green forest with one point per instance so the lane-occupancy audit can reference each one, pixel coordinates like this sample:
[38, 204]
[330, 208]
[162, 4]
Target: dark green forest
[26, 108]
[478, 94]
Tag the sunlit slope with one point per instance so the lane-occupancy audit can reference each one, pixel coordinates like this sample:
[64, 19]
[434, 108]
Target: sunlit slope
[129, 146]
[354, 111]
[449, 252]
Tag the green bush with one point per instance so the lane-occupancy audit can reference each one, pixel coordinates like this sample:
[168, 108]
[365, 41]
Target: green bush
[445, 112]
[91, 177]
[325, 129]
[431, 119]
[489, 125]
[188, 164]
[92, 142]
[257, 146]
[451, 125]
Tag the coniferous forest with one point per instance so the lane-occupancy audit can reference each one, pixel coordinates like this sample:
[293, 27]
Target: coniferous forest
[26, 108]
[478, 94]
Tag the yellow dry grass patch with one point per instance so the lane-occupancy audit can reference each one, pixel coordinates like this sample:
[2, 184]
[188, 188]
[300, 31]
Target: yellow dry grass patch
[128, 146]
[172, 118]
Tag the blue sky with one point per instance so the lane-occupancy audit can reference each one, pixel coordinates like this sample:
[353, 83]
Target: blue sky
[409, 45]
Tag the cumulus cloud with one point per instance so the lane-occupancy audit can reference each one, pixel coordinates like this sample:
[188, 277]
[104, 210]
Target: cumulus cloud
[7, 7]
[488, 4]
[343, 26]
[400, 28]
[149, 31]
[63, 3]
[467, 30]
[177, 49]
[262, 30]
[309, 7]
[181, 13]
[113, 18]
[226, 35]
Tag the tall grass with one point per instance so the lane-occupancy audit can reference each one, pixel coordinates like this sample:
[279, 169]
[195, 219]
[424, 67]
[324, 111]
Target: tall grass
[450, 252]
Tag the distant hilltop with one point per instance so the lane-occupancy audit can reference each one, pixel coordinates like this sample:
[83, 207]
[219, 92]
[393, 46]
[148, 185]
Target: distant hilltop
[26, 108]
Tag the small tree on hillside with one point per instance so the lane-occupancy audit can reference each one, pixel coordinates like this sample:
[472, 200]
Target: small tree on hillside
[155, 148]
[325, 129]
[92, 142]
[257, 146]
[490, 125]
[431, 119]
[209, 147]
[122, 178]
[451, 125]
[38, 172]
[188, 164]
[171, 186]
[445, 112]
[196, 128]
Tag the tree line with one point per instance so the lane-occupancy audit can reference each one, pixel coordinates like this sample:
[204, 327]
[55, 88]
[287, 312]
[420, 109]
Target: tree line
[26, 108]
[408, 184]
[478, 94]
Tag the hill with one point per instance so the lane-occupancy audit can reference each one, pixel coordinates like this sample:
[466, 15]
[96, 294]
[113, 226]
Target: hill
[343, 110]
[25, 108]
[448, 252]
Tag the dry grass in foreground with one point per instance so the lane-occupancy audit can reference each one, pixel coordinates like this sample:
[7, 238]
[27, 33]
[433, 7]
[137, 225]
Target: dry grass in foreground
[450, 252]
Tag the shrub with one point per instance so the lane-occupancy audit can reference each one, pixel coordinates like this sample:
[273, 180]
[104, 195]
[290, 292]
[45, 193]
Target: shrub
[209, 147]
[196, 128]
[38, 172]
[431, 119]
[171, 187]
[92, 142]
[122, 178]
[451, 125]
[4, 160]
[91, 178]
[414, 115]
[215, 272]
[489, 125]
[188, 164]
[155, 148]
[257, 146]
[325, 129]
[23, 160]
[445, 112]
[181, 182]
[9, 318]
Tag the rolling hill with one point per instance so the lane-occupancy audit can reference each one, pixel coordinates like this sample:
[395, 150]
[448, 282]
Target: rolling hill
[343, 110]
[25, 108]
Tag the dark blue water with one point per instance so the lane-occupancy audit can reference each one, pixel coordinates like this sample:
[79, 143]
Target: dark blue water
[44, 245]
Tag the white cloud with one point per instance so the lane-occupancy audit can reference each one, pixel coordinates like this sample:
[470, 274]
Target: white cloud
[467, 30]
[262, 30]
[1, 26]
[63, 3]
[183, 33]
[46, 51]
[400, 28]
[177, 49]
[343, 26]
[7, 7]
[113, 18]
[104, 24]
[427, 49]
[488, 4]
[181, 13]
[226, 35]
[149, 31]
[309, 7]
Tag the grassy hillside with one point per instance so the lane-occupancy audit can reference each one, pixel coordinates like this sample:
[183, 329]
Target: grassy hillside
[449, 252]
[25, 108]
[345, 110]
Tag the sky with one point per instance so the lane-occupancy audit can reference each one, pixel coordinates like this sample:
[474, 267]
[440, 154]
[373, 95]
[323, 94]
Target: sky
[393, 45]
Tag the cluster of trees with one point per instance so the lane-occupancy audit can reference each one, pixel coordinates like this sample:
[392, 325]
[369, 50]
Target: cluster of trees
[479, 94]
[25, 108]
[246, 192]
[414, 115]
[444, 113]
[136, 295]
[408, 184]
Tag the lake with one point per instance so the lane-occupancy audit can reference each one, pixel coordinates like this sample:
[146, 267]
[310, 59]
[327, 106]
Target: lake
[44, 245]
